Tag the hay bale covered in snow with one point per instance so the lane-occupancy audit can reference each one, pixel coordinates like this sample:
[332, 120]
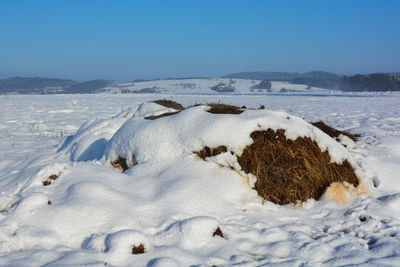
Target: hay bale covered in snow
[284, 158]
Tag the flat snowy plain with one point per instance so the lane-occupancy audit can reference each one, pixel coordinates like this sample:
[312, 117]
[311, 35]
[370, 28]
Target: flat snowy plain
[92, 214]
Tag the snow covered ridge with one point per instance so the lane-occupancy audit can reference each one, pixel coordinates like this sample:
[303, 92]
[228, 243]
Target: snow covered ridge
[154, 134]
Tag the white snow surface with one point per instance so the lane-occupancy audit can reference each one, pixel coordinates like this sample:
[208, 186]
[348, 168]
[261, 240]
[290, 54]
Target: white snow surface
[205, 85]
[171, 201]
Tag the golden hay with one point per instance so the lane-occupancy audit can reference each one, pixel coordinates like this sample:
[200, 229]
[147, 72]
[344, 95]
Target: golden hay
[288, 171]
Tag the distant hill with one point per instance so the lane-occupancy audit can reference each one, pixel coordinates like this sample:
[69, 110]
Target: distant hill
[322, 75]
[36, 85]
[320, 79]
[263, 75]
[89, 87]
[39, 85]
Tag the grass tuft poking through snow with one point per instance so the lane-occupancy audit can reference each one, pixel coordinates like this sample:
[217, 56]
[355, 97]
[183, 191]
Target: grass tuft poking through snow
[52, 177]
[334, 133]
[138, 249]
[207, 152]
[218, 232]
[169, 104]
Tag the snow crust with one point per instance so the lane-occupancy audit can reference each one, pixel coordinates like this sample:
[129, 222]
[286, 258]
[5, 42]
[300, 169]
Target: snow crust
[172, 202]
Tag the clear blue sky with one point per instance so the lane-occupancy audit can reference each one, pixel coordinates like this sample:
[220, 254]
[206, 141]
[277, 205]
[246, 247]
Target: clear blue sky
[126, 40]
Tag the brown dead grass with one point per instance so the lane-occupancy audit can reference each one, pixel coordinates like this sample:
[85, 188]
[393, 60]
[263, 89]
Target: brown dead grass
[218, 108]
[289, 171]
[161, 115]
[138, 249]
[52, 177]
[169, 104]
[332, 132]
[218, 232]
[207, 152]
[120, 164]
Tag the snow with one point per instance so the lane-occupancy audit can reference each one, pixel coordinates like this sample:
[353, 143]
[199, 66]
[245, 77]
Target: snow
[194, 128]
[171, 201]
[204, 85]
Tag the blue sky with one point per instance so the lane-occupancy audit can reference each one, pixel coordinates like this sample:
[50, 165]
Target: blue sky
[126, 40]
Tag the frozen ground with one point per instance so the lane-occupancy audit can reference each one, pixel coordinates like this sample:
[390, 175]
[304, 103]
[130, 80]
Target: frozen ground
[96, 214]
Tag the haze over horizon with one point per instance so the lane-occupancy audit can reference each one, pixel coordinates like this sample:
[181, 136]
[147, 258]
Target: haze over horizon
[127, 40]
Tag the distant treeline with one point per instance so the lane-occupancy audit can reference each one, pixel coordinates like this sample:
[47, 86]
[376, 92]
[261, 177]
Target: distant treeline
[371, 82]
[327, 80]
[321, 79]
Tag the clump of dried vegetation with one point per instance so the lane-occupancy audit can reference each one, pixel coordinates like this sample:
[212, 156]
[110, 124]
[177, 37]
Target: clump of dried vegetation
[207, 152]
[334, 133]
[169, 104]
[120, 163]
[218, 108]
[288, 171]
[161, 115]
[218, 232]
[138, 249]
[49, 179]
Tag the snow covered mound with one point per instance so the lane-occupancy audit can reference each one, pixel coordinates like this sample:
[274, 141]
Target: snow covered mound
[158, 136]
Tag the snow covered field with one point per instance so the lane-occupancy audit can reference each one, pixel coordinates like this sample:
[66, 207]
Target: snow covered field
[93, 214]
[205, 85]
